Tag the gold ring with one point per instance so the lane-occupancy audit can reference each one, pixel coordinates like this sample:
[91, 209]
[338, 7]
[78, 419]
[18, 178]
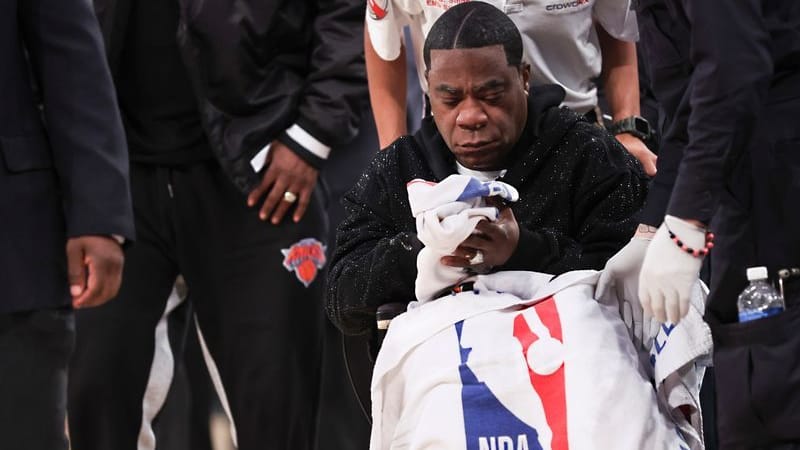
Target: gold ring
[289, 197]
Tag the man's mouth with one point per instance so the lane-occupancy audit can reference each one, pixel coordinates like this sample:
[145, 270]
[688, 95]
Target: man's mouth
[476, 146]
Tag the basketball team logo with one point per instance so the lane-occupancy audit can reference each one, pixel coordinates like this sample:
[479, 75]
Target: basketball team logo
[377, 8]
[305, 258]
[489, 424]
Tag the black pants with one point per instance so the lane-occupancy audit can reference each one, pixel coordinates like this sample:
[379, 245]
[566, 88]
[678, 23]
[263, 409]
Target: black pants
[260, 325]
[35, 347]
[757, 363]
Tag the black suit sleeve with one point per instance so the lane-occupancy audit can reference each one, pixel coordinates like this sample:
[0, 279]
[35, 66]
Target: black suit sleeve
[81, 115]
[336, 87]
[664, 44]
[730, 53]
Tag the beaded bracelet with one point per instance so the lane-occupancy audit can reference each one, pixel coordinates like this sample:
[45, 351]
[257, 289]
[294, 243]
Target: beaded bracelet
[699, 253]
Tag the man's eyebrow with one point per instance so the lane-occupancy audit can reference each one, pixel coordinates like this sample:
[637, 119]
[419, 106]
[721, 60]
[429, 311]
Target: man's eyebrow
[447, 89]
[491, 84]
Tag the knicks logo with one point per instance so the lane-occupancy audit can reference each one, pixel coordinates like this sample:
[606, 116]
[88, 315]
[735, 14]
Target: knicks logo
[304, 258]
[377, 8]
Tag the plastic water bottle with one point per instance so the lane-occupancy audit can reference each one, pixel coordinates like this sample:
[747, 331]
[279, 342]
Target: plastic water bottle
[759, 299]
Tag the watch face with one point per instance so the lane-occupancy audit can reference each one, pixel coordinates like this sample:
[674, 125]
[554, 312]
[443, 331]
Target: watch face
[641, 125]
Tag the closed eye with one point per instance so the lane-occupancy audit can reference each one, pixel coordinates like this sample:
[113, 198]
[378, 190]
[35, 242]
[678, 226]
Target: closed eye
[493, 98]
[451, 102]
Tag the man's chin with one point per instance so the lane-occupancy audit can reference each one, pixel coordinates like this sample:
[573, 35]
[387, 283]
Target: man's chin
[479, 164]
[484, 158]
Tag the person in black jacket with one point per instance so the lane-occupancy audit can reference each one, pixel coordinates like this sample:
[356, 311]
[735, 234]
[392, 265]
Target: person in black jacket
[728, 74]
[230, 109]
[65, 205]
[579, 188]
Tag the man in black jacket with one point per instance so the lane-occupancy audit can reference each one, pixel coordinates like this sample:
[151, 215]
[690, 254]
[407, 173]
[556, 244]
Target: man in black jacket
[64, 201]
[578, 187]
[230, 109]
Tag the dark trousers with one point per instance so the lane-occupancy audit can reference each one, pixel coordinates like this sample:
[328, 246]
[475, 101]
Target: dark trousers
[259, 325]
[757, 363]
[35, 347]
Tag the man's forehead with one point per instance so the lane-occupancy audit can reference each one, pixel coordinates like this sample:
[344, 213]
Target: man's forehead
[481, 66]
[490, 51]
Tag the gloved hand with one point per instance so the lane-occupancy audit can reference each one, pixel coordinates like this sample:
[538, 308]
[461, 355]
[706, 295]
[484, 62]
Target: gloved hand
[619, 286]
[668, 272]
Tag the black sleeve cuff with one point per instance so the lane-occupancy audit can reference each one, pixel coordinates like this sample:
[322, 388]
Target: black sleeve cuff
[655, 209]
[301, 151]
[532, 252]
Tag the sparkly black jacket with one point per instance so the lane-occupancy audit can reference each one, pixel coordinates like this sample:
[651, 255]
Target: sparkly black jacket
[579, 190]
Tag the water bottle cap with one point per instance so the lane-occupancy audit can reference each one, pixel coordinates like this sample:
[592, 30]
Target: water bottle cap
[757, 273]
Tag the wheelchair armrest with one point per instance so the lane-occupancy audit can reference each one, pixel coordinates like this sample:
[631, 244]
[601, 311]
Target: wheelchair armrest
[383, 317]
[388, 311]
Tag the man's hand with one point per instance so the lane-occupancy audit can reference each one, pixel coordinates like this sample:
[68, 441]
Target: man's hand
[668, 273]
[619, 286]
[94, 265]
[639, 150]
[286, 172]
[496, 241]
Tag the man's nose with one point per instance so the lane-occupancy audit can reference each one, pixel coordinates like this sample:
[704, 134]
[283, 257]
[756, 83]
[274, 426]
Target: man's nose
[471, 116]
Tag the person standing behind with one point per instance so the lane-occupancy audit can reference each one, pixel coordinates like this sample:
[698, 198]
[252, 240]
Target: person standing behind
[65, 204]
[566, 43]
[231, 109]
[735, 173]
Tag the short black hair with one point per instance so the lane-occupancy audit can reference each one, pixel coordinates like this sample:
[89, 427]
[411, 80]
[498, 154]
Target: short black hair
[474, 24]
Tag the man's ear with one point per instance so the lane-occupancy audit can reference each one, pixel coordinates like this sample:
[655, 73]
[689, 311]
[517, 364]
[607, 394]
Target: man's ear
[426, 78]
[525, 73]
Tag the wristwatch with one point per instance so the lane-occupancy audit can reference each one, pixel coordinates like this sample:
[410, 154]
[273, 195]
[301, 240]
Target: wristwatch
[635, 125]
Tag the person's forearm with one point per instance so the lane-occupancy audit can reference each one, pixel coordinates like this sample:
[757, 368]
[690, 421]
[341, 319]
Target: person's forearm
[387, 93]
[620, 75]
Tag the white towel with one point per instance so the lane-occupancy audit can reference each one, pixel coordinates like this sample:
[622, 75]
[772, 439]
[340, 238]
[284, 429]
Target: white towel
[678, 357]
[446, 214]
[539, 365]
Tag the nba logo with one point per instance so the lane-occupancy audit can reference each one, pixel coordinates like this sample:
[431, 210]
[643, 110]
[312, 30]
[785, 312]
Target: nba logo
[489, 424]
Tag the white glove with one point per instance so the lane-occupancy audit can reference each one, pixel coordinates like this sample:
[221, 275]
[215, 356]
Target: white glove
[619, 286]
[668, 272]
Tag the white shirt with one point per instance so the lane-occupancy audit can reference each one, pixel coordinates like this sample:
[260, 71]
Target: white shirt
[558, 36]
[483, 175]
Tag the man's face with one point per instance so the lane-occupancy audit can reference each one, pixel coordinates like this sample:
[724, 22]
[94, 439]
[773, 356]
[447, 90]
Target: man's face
[479, 104]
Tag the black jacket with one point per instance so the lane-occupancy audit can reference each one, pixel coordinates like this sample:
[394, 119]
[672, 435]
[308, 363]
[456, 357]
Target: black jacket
[579, 190]
[258, 67]
[63, 160]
